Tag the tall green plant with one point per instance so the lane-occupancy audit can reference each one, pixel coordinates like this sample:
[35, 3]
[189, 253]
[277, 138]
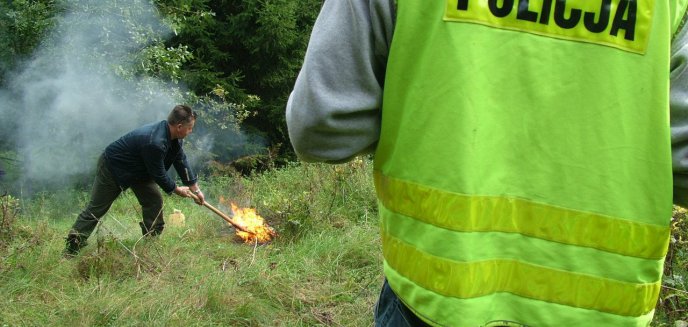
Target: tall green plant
[22, 25]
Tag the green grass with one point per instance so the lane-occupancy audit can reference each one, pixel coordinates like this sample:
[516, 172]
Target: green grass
[180, 281]
[323, 269]
[198, 275]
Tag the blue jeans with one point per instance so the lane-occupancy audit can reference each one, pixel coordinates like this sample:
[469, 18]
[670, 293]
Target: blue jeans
[391, 312]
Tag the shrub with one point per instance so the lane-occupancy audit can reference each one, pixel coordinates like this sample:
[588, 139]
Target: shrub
[673, 299]
[300, 196]
[9, 208]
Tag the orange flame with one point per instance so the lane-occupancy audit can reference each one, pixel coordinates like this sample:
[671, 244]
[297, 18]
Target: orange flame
[248, 218]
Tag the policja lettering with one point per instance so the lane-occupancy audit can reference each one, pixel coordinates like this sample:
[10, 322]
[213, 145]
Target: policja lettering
[615, 23]
[626, 8]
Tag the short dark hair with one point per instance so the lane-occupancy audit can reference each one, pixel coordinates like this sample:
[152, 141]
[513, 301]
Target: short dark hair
[181, 114]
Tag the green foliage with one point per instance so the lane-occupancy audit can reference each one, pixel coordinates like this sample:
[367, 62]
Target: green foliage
[673, 300]
[193, 55]
[127, 35]
[268, 40]
[301, 197]
[244, 49]
[158, 60]
[194, 25]
[9, 208]
[22, 25]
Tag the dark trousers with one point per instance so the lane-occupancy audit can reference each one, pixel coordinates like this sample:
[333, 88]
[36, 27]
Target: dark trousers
[391, 312]
[104, 192]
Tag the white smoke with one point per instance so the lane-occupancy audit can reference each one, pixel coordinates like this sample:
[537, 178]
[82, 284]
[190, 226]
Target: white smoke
[69, 102]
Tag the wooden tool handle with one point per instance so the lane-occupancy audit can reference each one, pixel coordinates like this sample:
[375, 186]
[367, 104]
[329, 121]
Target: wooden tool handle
[221, 214]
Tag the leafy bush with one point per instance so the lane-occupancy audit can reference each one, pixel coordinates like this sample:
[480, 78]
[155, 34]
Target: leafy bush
[301, 197]
[673, 299]
[243, 49]
[9, 208]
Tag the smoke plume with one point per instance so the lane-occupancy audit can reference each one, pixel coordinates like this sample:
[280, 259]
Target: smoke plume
[71, 99]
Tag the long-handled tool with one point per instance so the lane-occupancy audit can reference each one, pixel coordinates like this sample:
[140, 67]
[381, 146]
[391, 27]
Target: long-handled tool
[221, 214]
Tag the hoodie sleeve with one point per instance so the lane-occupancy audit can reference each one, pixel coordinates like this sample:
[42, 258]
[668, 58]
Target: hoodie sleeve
[333, 112]
[679, 115]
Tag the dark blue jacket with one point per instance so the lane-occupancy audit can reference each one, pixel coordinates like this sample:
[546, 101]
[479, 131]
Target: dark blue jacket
[147, 153]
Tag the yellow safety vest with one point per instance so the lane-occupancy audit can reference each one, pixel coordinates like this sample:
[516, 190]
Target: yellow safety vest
[523, 170]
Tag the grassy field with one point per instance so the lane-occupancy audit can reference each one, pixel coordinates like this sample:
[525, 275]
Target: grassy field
[323, 269]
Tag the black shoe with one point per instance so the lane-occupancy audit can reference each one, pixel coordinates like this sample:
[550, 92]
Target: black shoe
[74, 244]
[151, 231]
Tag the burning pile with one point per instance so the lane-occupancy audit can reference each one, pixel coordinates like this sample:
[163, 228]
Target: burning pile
[249, 226]
[256, 228]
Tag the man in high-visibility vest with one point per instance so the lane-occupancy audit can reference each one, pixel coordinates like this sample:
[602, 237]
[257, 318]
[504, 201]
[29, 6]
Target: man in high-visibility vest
[523, 151]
